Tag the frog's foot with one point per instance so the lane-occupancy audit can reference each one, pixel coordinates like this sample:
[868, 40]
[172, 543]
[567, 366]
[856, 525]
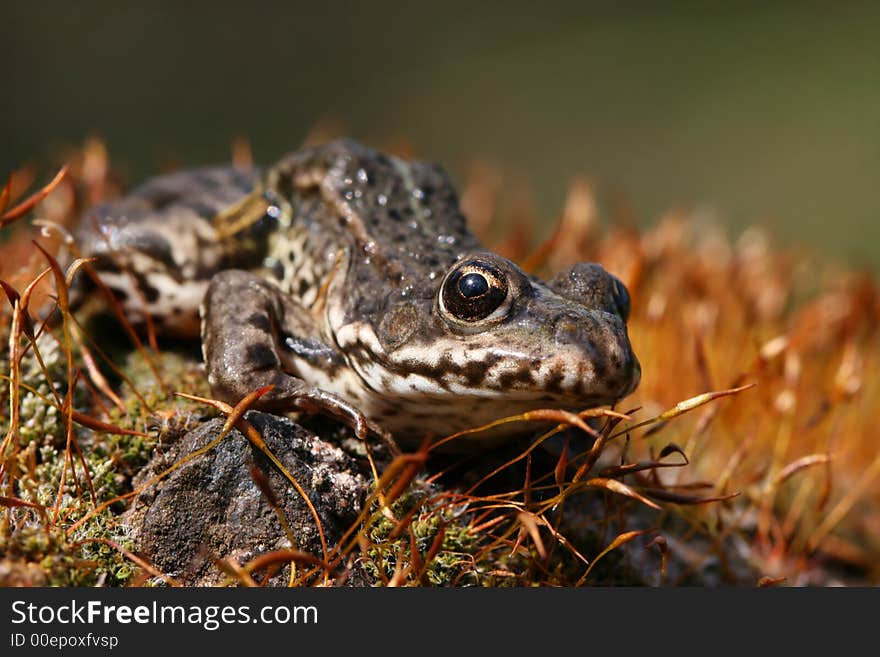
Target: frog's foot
[253, 336]
[315, 400]
[289, 393]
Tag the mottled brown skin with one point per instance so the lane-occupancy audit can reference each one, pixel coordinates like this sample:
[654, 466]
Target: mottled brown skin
[349, 281]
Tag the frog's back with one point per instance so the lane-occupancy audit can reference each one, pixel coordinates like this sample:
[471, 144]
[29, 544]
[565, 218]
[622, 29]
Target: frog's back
[400, 220]
[397, 222]
[409, 206]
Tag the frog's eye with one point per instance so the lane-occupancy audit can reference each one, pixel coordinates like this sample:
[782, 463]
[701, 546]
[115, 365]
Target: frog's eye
[473, 291]
[621, 298]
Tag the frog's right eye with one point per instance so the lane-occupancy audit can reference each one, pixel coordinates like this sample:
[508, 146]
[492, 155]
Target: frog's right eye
[475, 290]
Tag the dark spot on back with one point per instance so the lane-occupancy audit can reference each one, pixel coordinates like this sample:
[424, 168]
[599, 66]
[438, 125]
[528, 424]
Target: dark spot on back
[260, 322]
[151, 294]
[106, 263]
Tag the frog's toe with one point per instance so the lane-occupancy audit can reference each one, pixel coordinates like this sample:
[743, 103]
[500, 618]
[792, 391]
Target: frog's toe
[316, 400]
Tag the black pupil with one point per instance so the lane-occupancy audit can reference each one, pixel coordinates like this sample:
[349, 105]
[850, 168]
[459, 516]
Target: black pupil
[473, 285]
[473, 291]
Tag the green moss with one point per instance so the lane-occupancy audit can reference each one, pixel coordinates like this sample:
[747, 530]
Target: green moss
[69, 483]
[41, 420]
[390, 549]
[155, 408]
[41, 536]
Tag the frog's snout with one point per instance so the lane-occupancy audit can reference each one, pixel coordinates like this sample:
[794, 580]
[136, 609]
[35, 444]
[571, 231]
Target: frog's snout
[596, 344]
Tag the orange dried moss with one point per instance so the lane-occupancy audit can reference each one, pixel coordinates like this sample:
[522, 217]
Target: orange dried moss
[710, 312]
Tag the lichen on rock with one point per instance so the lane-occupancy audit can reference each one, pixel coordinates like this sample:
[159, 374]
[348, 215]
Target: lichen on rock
[211, 508]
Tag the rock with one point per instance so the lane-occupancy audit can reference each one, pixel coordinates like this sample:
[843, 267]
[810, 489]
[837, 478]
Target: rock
[211, 507]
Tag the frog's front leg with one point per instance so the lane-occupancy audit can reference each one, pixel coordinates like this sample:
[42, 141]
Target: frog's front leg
[254, 335]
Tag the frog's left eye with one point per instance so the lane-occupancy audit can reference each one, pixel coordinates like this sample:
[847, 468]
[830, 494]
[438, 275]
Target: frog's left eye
[621, 297]
[474, 291]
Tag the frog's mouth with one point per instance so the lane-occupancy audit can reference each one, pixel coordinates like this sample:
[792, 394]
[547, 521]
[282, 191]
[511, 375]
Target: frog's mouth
[558, 366]
[449, 387]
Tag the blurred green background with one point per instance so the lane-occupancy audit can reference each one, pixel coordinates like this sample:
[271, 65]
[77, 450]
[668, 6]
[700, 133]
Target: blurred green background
[767, 113]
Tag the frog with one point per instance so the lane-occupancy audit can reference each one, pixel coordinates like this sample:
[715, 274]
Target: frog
[346, 282]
